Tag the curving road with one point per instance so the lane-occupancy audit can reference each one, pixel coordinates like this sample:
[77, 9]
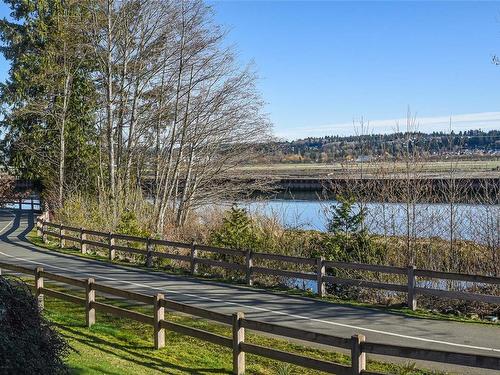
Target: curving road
[305, 313]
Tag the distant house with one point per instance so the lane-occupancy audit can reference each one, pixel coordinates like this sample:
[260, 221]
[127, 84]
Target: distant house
[364, 158]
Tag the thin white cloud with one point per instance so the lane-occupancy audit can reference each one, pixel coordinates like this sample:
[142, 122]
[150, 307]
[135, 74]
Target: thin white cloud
[483, 120]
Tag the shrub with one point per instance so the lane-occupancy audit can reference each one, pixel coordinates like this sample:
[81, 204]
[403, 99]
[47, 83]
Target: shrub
[129, 224]
[343, 217]
[237, 231]
[29, 344]
[349, 241]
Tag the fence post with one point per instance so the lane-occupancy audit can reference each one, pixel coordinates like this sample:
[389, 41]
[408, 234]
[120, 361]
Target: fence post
[39, 286]
[194, 254]
[89, 299]
[159, 314]
[20, 204]
[46, 210]
[149, 253]
[83, 238]
[249, 266]
[38, 227]
[238, 338]
[320, 272]
[32, 205]
[44, 231]
[412, 298]
[62, 242]
[111, 245]
[358, 357]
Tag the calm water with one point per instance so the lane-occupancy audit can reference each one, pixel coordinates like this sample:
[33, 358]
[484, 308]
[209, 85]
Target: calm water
[470, 221]
[479, 223]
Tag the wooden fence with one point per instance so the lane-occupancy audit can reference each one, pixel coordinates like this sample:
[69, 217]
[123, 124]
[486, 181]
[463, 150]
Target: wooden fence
[357, 344]
[249, 269]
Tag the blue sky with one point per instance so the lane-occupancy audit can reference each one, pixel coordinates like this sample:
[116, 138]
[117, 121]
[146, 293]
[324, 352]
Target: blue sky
[324, 64]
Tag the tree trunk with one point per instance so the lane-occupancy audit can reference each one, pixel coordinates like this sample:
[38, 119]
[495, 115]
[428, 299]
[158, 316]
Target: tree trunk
[109, 111]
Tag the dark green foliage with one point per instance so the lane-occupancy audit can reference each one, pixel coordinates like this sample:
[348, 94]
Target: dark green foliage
[344, 218]
[358, 248]
[28, 342]
[32, 96]
[354, 248]
[237, 231]
[348, 241]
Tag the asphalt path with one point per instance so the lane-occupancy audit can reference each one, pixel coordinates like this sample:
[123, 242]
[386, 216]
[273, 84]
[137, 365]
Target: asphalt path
[305, 313]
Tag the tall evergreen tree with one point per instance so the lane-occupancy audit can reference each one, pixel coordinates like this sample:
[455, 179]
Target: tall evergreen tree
[48, 99]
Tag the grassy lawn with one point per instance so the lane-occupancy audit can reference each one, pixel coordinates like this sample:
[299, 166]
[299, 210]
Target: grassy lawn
[121, 346]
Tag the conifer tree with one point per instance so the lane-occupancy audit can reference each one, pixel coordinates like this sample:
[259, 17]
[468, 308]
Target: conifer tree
[344, 219]
[49, 96]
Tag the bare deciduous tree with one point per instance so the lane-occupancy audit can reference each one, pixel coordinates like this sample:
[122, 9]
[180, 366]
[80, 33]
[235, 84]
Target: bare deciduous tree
[177, 110]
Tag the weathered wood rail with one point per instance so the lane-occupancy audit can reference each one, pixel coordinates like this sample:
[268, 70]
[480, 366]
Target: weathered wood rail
[357, 344]
[246, 262]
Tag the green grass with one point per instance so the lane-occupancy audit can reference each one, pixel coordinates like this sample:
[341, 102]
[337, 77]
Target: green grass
[121, 346]
[397, 309]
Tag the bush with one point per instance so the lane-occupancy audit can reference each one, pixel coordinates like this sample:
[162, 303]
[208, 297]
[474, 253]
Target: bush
[129, 225]
[237, 231]
[28, 342]
[349, 241]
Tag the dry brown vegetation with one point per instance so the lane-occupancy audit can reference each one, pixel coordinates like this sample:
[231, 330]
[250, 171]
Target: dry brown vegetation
[6, 186]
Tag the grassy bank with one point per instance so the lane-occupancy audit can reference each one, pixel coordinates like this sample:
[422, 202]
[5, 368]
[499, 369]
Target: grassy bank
[121, 346]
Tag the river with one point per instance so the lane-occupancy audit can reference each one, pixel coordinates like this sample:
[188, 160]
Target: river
[473, 222]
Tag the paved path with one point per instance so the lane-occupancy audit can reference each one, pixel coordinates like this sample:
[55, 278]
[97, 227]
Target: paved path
[278, 308]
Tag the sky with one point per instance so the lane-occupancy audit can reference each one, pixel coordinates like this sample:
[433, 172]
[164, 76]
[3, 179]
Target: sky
[324, 65]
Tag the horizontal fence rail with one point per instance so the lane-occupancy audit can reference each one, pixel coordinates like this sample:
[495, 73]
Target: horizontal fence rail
[357, 344]
[247, 262]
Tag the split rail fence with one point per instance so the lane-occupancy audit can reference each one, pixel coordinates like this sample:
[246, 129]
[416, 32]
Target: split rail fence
[357, 344]
[249, 259]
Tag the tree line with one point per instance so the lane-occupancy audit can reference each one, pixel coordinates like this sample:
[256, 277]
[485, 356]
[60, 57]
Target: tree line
[431, 145]
[101, 93]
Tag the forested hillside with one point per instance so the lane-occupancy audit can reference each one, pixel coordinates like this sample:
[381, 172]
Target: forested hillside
[433, 145]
